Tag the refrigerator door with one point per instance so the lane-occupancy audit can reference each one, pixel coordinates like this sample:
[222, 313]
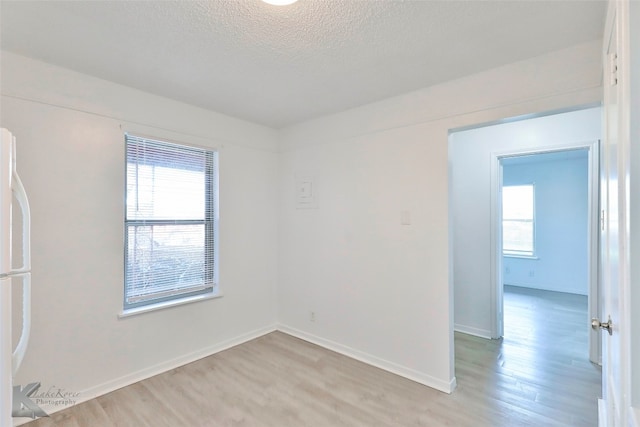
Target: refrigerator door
[6, 178]
[10, 187]
[6, 371]
[21, 347]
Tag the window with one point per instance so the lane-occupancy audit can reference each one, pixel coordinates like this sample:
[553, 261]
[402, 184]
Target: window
[170, 222]
[518, 222]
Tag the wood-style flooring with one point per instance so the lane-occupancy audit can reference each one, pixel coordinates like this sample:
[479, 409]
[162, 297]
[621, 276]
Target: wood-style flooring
[540, 371]
[538, 375]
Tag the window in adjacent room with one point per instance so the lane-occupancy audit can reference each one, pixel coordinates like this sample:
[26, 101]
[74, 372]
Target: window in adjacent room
[518, 220]
[170, 222]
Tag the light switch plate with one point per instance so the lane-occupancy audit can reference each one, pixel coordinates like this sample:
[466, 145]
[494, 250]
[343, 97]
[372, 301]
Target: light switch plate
[306, 192]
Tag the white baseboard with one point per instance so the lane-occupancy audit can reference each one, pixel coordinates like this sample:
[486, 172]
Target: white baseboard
[142, 374]
[572, 291]
[634, 415]
[470, 330]
[602, 413]
[419, 377]
[117, 383]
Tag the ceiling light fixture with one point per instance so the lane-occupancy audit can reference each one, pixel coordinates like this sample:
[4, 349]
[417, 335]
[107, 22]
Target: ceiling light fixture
[280, 2]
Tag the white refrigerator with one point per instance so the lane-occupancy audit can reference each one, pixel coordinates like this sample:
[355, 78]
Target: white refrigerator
[11, 277]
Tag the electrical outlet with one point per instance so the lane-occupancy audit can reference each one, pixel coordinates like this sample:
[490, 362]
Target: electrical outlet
[312, 316]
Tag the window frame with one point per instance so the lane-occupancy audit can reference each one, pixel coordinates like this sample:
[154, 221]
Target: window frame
[518, 253]
[210, 286]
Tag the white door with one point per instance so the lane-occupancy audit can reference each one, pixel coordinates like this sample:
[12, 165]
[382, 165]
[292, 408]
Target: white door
[614, 230]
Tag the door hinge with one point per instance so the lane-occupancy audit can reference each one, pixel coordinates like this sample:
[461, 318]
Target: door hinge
[613, 67]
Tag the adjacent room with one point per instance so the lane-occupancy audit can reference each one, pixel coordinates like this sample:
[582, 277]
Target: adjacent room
[545, 208]
[536, 183]
[252, 214]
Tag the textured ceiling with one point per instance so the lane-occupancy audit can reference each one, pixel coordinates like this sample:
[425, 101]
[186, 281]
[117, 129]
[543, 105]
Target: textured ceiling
[282, 65]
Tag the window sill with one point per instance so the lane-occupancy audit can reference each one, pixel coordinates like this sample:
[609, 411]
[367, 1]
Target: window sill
[166, 304]
[520, 256]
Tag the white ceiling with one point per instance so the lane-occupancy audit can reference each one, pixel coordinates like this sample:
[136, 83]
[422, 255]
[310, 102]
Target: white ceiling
[282, 65]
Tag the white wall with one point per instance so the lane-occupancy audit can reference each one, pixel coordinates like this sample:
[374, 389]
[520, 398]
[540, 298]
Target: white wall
[381, 291]
[471, 153]
[561, 263]
[69, 130]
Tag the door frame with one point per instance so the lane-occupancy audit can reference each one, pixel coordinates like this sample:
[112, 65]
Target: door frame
[497, 300]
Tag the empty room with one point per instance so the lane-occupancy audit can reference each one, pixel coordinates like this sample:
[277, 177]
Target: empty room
[239, 213]
[539, 196]
[552, 189]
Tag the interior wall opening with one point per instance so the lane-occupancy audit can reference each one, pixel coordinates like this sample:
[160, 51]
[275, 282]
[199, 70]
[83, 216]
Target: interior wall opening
[545, 256]
[557, 382]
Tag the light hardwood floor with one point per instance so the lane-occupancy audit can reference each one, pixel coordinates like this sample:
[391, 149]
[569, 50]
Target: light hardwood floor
[533, 377]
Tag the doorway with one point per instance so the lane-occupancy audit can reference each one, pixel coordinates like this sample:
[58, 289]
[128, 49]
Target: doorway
[556, 233]
[478, 268]
[474, 184]
[544, 248]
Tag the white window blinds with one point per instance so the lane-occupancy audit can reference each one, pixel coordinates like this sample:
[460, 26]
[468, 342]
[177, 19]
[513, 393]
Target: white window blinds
[518, 222]
[170, 221]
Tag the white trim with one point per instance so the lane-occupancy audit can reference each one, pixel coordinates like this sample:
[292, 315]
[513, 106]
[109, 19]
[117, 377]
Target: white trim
[528, 116]
[170, 137]
[168, 304]
[532, 257]
[151, 371]
[593, 238]
[470, 330]
[602, 413]
[403, 371]
[634, 417]
[612, 403]
[593, 275]
[496, 294]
